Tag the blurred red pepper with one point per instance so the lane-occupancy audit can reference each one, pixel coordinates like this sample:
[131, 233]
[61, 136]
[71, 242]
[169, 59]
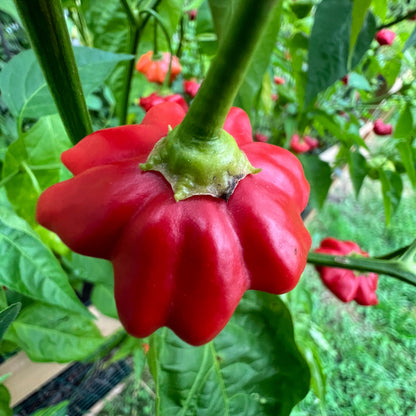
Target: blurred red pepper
[279, 80]
[345, 79]
[345, 284]
[191, 87]
[385, 37]
[154, 99]
[303, 144]
[186, 264]
[156, 70]
[192, 14]
[259, 137]
[382, 129]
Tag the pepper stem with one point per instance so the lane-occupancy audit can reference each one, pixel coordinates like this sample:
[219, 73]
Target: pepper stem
[227, 71]
[198, 157]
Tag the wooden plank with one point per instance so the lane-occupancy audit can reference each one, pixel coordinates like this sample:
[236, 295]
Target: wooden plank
[26, 376]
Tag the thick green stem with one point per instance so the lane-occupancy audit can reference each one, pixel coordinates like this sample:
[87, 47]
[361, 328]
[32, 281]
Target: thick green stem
[210, 107]
[45, 24]
[395, 267]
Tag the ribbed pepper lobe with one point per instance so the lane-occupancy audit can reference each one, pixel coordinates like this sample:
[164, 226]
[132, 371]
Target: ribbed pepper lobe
[186, 264]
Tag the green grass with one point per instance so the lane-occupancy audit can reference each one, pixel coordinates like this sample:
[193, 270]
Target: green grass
[367, 353]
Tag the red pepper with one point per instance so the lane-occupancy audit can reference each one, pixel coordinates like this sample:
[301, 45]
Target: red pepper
[279, 80]
[191, 87]
[259, 137]
[156, 70]
[186, 264]
[345, 284]
[345, 79]
[303, 144]
[382, 129]
[385, 37]
[154, 99]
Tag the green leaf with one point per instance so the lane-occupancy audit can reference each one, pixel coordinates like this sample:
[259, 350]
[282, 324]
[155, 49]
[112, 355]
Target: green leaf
[5, 398]
[252, 83]
[103, 298]
[406, 152]
[358, 81]
[358, 170]
[60, 409]
[7, 6]
[318, 174]
[365, 38]
[27, 266]
[328, 46]
[24, 89]
[7, 316]
[411, 40]
[380, 8]
[404, 125]
[92, 270]
[252, 368]
[48, 333]
[35, 156]
[392, 188]
[359, 11]
[221, 11]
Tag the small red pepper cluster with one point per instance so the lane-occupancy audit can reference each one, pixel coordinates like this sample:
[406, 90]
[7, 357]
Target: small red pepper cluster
[345, 284]
[303, 144]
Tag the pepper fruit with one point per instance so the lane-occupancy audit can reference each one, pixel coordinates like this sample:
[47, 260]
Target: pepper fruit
[154, 99]
[186, 264]
[382, 129]
[191, 87]
[385, 37]
[303, 144]
[156, 70]
[345, 284]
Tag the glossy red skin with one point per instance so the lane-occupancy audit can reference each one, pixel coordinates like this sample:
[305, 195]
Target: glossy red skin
[155, 71]
[154, 99]
[385, 37]
[184, 265]
[345, 284]
[382, 129]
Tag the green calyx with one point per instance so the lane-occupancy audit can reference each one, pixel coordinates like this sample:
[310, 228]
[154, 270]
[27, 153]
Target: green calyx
[199, 167]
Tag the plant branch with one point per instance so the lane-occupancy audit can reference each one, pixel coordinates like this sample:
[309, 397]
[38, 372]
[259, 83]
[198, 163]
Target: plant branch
[392, 267]
[399, 19]
[135, 28]
[45, 24]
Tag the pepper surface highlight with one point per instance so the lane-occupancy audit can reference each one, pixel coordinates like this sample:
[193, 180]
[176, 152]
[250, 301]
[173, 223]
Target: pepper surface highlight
[186, 264]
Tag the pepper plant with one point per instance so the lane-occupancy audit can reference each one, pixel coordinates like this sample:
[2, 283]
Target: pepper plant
[179, 211]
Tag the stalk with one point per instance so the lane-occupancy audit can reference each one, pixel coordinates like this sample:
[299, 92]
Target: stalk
[45, 24]
[228, 69]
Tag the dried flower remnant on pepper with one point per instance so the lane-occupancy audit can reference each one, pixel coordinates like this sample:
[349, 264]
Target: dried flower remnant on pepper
[346, 284]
